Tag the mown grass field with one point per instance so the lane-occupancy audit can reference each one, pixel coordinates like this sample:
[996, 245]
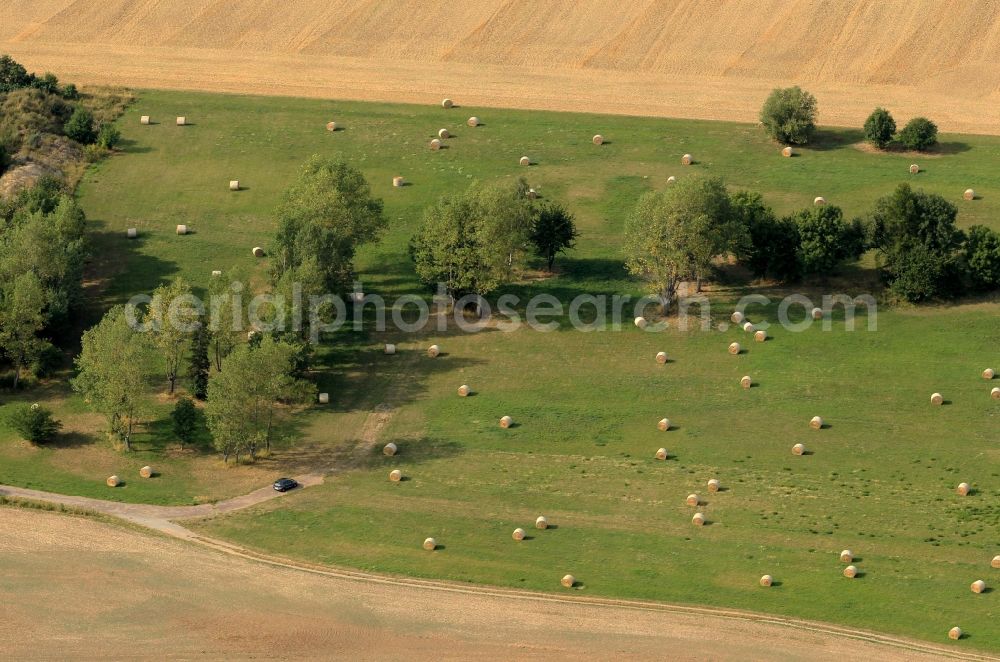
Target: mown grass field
[880, 480]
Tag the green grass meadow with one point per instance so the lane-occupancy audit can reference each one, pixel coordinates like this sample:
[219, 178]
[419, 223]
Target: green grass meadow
[880, 479]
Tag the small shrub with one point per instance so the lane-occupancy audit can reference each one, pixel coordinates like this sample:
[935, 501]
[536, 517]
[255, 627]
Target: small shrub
[108, 136]
[70, 92]
[982, 257]
[34, 423]
[80, 126]
[789, 115]
[880, 128]
[919, 133]
[185, 417]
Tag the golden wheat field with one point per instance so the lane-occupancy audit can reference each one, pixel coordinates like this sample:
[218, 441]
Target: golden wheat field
[712, 59]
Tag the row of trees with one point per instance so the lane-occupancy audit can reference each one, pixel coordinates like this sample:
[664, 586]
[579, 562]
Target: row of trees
[880, 129]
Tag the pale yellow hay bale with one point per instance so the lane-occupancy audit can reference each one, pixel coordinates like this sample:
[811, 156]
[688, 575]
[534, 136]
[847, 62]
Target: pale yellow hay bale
[390, 348]
[687, 159]
[914, 169]
[435, 145]
[113, 481]
[216, 273]
[798, 449]
[749, 327]
[464, 390]
[851, 571]
[661, 357]
[995, 562]
[331, 126]
[234, 185]
[969, 194]
[358, 297]
[963, 489]
[955, 633]
[787, 152]
[541, 522]
[568, 581]
[693, 500]
[146, 472]
[995, 393]
[698, 519]
[671, 180]
[398, 181]
[430, 544]
[518, 534]
[181, 121]
[182, 229]
[258, 251]
[506, 422]
[473, 121]
[817, 313]
[819, 201]
[132, 233]
[746, 382]
[395, 475]
[738, 318]
[760, 336]
[390, 449]
[447, 103]
[525, 161]
[978, 586]
[663, 425]
[846, 556]
[714, 485]
[251, 334]
[598, 139]
[144, 119]
[937, 399]
[661, 454]
[989, 374]
[324, 398]
[433, 351]
[532, 194]
[734, 348]
[640, 322]
[766, 580]
[816, 423]
[443, 134]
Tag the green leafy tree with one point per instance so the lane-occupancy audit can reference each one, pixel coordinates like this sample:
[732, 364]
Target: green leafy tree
[227, 314]
[173, 318]
[553, 232]
[919, 133]
[200, 366]
[47, 83]
[22, 317]
[826, 240]
[185, 420]
[13, 75]
[80, 126]
[880, 128]
[982, 257]
[111, 375]
[108, 136]
[34, 423]
[324, 217]
[789, 115]
[772, 244]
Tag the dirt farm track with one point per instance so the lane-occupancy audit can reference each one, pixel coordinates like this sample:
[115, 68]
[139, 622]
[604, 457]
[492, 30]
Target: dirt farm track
[681, 58]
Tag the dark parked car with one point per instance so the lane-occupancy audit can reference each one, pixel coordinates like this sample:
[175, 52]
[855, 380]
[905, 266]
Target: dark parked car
[285, 484]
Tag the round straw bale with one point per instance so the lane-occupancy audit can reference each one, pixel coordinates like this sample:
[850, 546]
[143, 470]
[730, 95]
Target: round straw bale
[390, 348]
[661, 357]
[541, 522]
[746, 382]
[663, 425]
[787, 152]
[914, 169]
[506, 422]
[464, 390]
[146, 472]
[817, 313]
[598, 139]
[749, 327]
[216, 273]
[433, 351]
[390, 449]
[234, 185]
[640, 322]
[978, 586]
[737, 318]
[995, 393]
[398, 181]
[995, 562]
[698, 519]
[692, 500]
[955, 633]
[671, 180]
[969, 194]
[430, 544]
[518, 534]
[988, 374]
[258, 251]
[182, 229]
[687, 159]
[661, 454]
[132, 233]
[473, 121]
[113, 481]
[846, 556]
[766, 580]
[734, 348]
[331, 126]
[435, 145]
[181, 121]
[532, 194]
[568, 581]
[714, 485]
[760, 336]
[963, 489]
[851, 571]
[443, 134]
[447, 103]
[324, 398]
[816, 422]
[144, 119]
[395, 475]
[819, 201]
[936, 399]
[798, 449]
[525, 161]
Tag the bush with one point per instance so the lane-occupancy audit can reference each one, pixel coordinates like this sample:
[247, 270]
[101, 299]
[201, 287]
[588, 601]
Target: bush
[4, 159]
[108, 136]
[826, 239]
[919, 133]
[13, 76]
[185, 418]
[34, 423]
[49, 359]
[880, 128]
[80, 126]
[47, 83]
[70, 92]
[789, 115]
[982, 257]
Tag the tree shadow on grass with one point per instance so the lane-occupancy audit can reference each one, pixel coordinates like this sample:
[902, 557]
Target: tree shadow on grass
[829, 139]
